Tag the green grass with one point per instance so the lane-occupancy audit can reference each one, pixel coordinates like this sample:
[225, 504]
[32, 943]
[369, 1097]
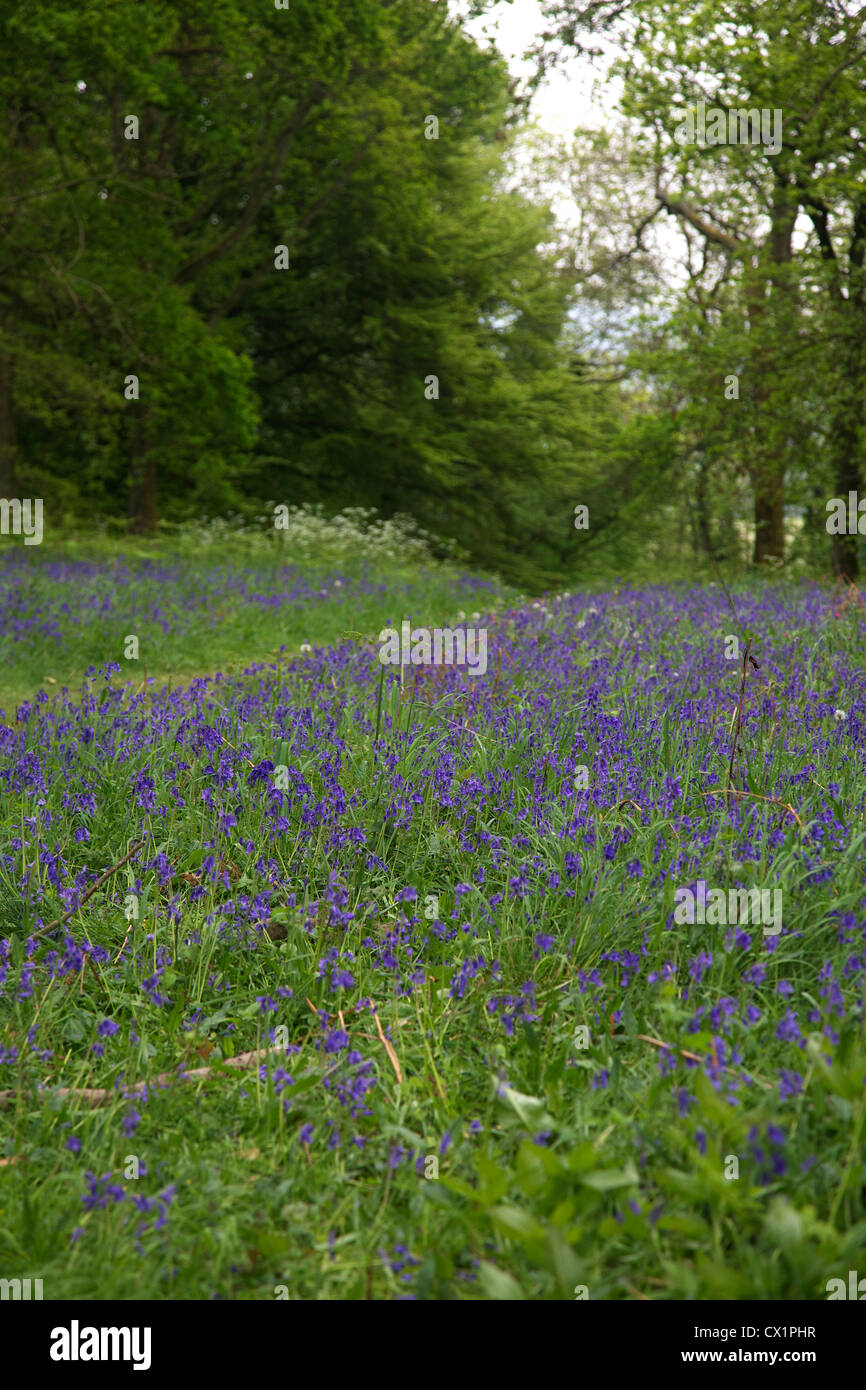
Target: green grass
[530, 1191]
[178, 599]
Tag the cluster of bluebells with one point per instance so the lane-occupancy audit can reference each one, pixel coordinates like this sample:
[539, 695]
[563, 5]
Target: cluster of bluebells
[400, 1262]
[104, 1191]
[515, 1008]
[768, 1153]
[523, 838]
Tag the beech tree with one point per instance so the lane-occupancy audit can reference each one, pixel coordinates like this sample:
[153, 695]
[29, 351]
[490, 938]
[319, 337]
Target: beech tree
[746, 203]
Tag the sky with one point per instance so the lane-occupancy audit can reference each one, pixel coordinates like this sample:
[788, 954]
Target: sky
[567, 99]
[579, 93]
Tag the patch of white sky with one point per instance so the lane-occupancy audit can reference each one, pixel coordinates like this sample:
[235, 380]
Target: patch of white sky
[578, 93]
[567, 98]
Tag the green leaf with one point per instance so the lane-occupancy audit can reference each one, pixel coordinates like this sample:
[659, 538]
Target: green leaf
[73, 1028]
[784, 1224]
[462, 1188]
[303, 1083]
[496, 1284]
[567, 1269]
[607, 1179]
[272, 1243]
[529, 1110]
[554, 1071]
[494, 1180]
[512, 1221]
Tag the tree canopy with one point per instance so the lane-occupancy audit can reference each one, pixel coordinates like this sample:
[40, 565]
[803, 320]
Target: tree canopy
[257, 254]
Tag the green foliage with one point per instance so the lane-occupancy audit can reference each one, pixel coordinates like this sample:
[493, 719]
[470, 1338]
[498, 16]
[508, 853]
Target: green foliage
[156, 257]
[564, 1167]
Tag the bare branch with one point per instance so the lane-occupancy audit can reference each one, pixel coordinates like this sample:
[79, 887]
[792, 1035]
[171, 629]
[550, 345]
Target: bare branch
[688, 214]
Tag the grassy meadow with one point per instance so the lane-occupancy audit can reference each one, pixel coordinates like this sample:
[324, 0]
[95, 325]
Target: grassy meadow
[323, 979]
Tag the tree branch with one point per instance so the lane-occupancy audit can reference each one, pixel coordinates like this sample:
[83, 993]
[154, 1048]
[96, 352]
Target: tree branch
[261, 275]
[688, 214]
[268, 171]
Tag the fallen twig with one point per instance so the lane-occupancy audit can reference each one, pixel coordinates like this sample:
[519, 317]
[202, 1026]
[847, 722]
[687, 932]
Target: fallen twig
[59, 921]
[389, 1049]
[694, 1057]
[99, 1096]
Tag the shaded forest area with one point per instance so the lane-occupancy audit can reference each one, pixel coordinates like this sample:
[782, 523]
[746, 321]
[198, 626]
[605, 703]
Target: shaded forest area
[259, 255]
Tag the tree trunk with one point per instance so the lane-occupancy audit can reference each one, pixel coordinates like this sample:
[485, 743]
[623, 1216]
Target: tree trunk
[702, 509]
[770, 467]
[846, 436]
[143, 491]
[846, 564]
[7, 427]
[769, 516]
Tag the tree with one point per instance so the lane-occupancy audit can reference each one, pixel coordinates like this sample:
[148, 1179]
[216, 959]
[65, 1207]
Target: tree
[742, 200]
[236, 266]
